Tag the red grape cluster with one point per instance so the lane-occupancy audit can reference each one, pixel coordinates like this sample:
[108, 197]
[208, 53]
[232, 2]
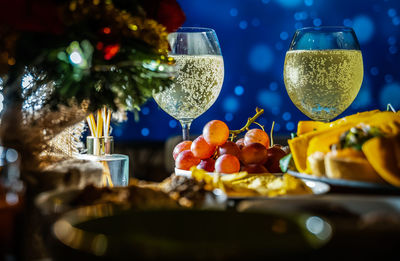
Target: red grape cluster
[213, 152]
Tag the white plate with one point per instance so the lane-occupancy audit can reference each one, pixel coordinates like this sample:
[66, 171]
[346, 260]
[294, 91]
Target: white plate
[317, 187]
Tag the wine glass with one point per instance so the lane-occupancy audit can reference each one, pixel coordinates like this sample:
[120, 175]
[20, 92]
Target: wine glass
[323, 71]
[200, 74]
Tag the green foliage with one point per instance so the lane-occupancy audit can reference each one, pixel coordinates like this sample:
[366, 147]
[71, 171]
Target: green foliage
[357, 136]
[107, 53]
[126, 83]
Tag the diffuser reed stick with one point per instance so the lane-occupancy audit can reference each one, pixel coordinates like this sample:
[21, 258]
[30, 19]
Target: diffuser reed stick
[100, 129]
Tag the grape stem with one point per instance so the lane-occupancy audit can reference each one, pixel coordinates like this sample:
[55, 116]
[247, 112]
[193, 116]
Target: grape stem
[390, 108]
[233, 133]
[272, 132]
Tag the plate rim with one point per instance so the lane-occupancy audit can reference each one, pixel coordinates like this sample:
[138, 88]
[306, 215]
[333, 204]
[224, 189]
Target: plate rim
[344, 182]
[325, 186]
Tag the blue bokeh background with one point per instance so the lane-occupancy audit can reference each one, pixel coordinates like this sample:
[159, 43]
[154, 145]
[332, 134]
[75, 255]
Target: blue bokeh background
[254, 36]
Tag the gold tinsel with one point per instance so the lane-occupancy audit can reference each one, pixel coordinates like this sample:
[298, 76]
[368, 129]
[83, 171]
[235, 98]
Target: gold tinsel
[120, 22]
[32, 134]
[68, 142]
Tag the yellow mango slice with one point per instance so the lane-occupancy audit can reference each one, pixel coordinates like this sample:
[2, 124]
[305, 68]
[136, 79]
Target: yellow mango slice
[384, 154]
[299, 145]
[307, 126]
[388, 122]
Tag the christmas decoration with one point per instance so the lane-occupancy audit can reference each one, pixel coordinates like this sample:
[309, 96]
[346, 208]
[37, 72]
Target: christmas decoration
[106, 52]
[62, 59]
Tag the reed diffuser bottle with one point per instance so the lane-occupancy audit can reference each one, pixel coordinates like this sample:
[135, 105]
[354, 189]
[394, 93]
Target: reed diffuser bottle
[100, 147]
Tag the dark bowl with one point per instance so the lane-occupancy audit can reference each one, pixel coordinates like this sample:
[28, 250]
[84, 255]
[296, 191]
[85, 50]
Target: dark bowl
[112, 232]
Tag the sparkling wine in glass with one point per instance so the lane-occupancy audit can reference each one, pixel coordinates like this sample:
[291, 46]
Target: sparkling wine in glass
[323, 71]
[200, 74]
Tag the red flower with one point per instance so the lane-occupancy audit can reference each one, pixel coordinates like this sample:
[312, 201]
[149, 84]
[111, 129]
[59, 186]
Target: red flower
[166, 12]
[31, 15]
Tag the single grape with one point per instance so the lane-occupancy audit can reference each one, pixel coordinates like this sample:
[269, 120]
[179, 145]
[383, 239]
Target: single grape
[254, 168]
[253, 153]
[227, 164]
[201, 149]
[229, 147]
[258, 136]
[274, 155]
[216, 132]
[207, 164]
[186, 160]
[184, 145]
[240, 143]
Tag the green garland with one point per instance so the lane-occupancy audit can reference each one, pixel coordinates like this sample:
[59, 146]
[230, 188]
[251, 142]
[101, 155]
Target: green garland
[105, 55]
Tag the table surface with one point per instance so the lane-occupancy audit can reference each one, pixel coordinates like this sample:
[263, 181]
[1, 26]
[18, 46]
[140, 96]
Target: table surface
[368, 222]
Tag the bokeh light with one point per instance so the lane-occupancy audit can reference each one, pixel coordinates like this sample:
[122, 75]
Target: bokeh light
[317, 22]
[261, 57]
[76, 58]
[308, 2]
[1, 102]
[289, 3]
[286, 116]
[228, 117]
[243, 24]
[230, 104]
[290, 126]
[364, 28]
[254, 37]
[233, 12]
[239, 90]
[269, 100]
[374, 71]
[145, 110]
[173, 123]
[145, 132]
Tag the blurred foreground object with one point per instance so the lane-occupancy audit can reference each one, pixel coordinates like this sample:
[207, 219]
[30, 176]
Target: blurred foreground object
[11, 200]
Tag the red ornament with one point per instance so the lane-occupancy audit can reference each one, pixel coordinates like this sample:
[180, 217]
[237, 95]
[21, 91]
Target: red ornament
[106, 30]
[110, 51]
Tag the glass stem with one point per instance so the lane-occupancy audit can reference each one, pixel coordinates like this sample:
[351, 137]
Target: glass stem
[185, 128]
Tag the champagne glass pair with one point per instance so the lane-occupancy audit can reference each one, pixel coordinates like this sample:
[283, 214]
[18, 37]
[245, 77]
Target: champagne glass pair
[323, 72]
[199, 75]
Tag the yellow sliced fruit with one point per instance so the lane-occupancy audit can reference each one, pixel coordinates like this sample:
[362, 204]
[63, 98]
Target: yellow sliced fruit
[384, 154]
[308, 126]
[299, 145]
[387, 122]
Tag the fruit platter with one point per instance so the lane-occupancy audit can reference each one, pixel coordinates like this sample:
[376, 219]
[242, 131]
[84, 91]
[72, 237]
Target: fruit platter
[242, 167]
[360, 151]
